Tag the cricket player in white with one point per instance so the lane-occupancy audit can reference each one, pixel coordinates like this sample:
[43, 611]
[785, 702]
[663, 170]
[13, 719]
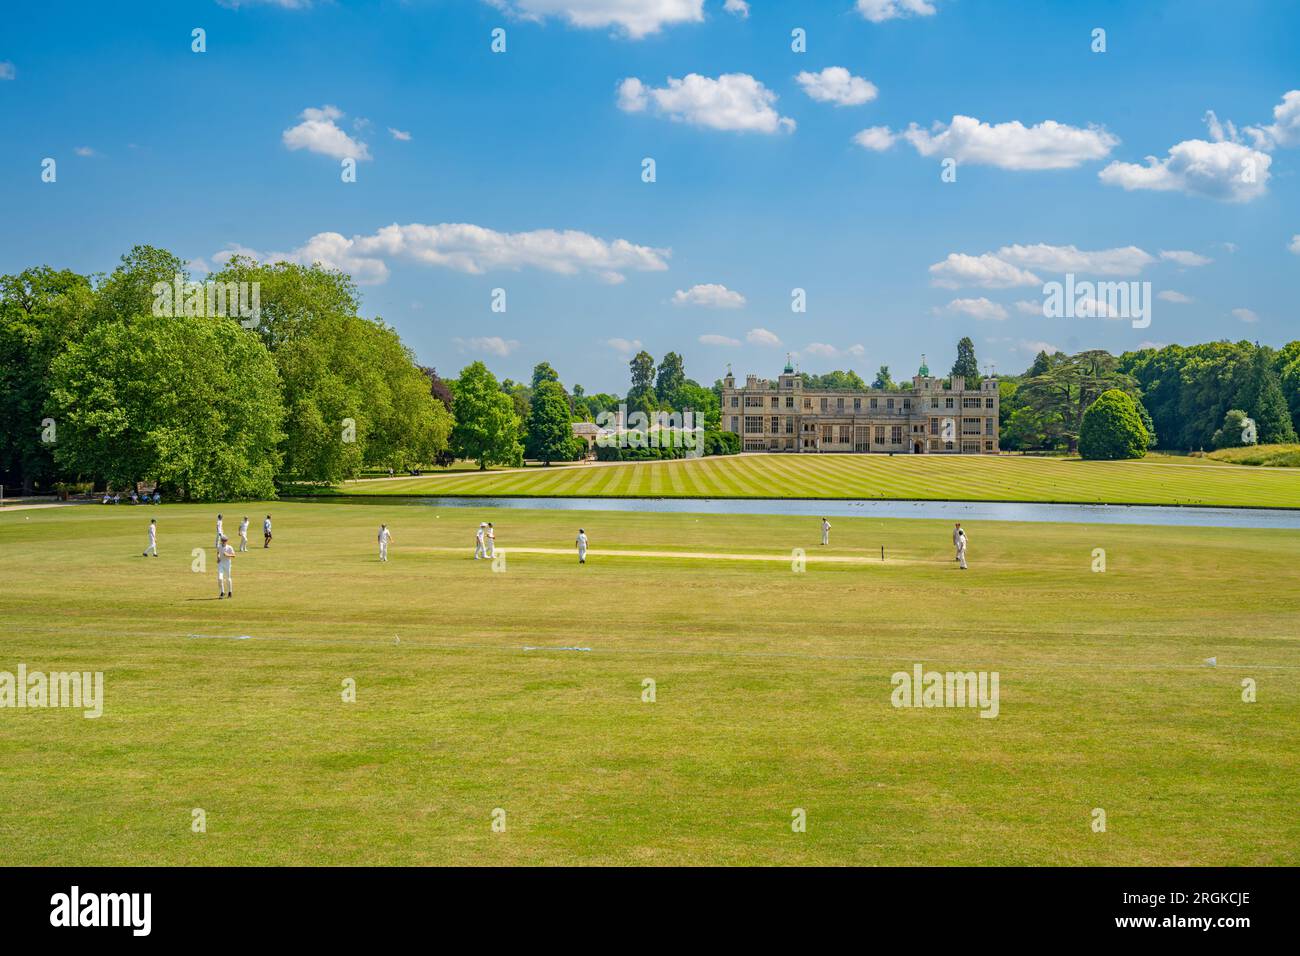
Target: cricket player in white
[582, 546]
[266, 532]
[385, 536]
[243, 534]
[491, 540]
[220, 534]
[225, 578]
[956, 534]
[961, 549]
[153, 539]
[478, 541]
[826, 531]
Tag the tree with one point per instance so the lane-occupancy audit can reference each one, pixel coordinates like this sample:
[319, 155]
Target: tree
[883, 379]
[192, 403]
[550, 433]
[1062, 394]
[1234, 433]
[642, 367]
[1112, 429]
[670, 379]
[543, 372]
[487, 428]
[438, 388]
[966, 365]
[41, 311]
[833, 380]
[1261, 397]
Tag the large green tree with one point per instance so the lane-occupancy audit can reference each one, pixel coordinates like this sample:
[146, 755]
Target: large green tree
[642, 367]
[41, 311]
[1112, 428]
[1060, 396]
[550, 432]
[966, 365]
[487, 428]
[192, 403]
[1260, 395]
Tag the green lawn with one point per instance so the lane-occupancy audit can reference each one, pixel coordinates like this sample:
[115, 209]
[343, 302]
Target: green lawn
[1161, 480]
[773, 692]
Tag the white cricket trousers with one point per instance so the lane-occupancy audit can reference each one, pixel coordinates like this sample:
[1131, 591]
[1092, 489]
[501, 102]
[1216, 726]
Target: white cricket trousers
[225, 577]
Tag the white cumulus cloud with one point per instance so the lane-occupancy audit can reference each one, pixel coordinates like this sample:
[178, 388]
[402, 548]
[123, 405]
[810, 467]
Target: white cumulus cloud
[711, 338]
[468, 248]
[1185, 258]
[624, 346]
[1295, 244]
[1169, 295]
[980, 308]
[1245, 315]
[762, 337]
[7, 70]
[733, 101]
[712, 296]
[319, 133]
[837, 85]
[878, 11]
[1222, 170]
[402, 136]
[739, 7]
[1046, 145]
[490, 344]
[987, 271]
[635, 18]
[1121, 261]
[876, 138]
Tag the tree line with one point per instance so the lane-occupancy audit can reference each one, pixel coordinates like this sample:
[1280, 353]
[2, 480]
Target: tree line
[98, 388]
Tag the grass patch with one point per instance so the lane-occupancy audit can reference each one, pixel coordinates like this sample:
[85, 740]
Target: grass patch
[773, 692]
[1163, 480]
[1268, 456]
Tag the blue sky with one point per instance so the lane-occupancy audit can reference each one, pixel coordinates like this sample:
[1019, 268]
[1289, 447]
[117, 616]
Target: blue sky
[522, 170]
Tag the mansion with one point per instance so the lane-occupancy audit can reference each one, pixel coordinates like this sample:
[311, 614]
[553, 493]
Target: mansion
[928, 418]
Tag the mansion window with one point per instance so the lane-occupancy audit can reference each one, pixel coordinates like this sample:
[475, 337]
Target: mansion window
[827, 431]
[823, 404]
[776, 424]
[889, 403]
[753, 401]
[947, 402]
[846, 434]
[735, 400]
[874, 403]
[896, 435]
[753, 424]
[970, 426]
[857, 404]
[988, 401]
[880, 434]
[970, 402]
[789, 401]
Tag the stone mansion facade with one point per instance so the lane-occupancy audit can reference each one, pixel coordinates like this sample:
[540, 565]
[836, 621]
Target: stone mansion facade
[925, 419]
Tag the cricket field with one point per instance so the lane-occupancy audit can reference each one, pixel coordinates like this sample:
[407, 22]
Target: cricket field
[689, 696]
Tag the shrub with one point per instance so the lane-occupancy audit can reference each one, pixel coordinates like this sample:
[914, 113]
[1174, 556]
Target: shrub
[1112, 428]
